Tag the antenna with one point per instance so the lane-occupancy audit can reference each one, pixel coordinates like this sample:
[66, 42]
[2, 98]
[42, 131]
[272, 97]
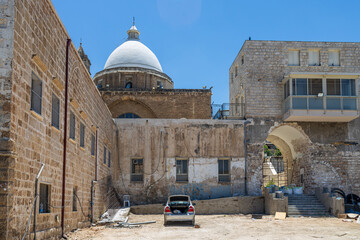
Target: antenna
[133, 21]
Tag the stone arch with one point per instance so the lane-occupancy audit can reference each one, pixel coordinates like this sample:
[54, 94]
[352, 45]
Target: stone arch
[294, 145]
[128, 105]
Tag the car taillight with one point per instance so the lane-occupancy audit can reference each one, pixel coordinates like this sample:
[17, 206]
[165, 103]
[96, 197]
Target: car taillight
[167, 209]
[191, 209]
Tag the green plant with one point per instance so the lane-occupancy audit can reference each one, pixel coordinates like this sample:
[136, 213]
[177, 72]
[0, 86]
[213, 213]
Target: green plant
[267, 151]
[277, 152]
[270, 183]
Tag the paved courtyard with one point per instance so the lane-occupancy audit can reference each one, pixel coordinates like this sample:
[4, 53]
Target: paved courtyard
[228, 227]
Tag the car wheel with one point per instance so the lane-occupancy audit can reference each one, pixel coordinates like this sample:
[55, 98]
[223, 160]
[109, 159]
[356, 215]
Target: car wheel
[165, 222]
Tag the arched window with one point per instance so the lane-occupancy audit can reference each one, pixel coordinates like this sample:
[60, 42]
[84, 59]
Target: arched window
[129, 115]
[128, 85]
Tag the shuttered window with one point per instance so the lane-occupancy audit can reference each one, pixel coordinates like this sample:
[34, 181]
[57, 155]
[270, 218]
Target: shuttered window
[109, 159]
[105, 155]
[314, 58]
[294, 58]
[36, 94]
[181, 170]
[72, 125]
[223, 170]
[82, 135]
[334, 58]
[137, 170]
[55, 111]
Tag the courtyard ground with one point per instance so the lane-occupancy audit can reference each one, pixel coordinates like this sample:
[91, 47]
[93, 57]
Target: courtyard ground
[227, 227]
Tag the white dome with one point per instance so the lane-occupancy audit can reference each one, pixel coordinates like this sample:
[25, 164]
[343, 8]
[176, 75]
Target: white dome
[133, 53]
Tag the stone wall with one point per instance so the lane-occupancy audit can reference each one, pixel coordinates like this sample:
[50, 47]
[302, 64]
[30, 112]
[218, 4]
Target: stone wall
[37, 51]
[161, 103]
[160, 142]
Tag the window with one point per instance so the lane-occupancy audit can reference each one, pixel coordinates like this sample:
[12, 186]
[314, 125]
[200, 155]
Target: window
[223, 170]
[181, 170]
[159, 84]
[55, 109]
[129, 115]
[299, 86]
[137, 170]
[128, 85]
[72, 125]
[314, 58]
[36, 94]
[109, 159]
[242, 59]
[92, 145]
[343, 87]
[286, 90]
[315, 86]
[74, 206]
[105, 155]
[82, 135]
[236, 71]
[44, 204]
[294, 58]
[334, 58]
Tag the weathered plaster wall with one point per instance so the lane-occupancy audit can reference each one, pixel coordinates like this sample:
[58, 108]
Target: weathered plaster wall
[159, 142]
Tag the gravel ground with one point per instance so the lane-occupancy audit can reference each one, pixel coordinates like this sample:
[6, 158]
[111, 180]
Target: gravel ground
[227, 227]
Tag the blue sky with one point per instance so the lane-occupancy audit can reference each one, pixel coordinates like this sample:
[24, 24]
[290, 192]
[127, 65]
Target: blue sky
[196, 41]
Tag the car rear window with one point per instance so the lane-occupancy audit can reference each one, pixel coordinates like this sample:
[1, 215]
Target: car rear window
[179, 199]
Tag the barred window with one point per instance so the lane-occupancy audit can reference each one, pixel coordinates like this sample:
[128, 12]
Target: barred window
[55, 111]
[182, 170]
[109, 159]
[104, 155]
[72, 125]
[223, 170]
[74, 207]
[92, 145]
[82, 135]
[36, 94]
[137, 170]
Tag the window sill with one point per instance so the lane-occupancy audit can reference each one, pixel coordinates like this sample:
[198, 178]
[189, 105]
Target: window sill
[72, 140]
[82, 148]
[55, 129]
[36, 115]
[93, 156]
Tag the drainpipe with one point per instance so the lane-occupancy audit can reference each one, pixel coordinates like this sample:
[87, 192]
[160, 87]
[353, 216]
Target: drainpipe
[97, 152]
[245, 145]
[65, 135]
[92, 201]
[36, 193]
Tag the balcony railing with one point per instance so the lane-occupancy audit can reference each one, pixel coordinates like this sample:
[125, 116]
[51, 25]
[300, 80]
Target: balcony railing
[228, 111]
[326, 106]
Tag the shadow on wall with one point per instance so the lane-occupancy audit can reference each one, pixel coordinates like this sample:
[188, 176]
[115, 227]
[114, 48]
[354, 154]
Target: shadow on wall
[200, 191]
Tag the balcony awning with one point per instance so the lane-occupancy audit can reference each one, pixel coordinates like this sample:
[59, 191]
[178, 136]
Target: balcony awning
[343, 75]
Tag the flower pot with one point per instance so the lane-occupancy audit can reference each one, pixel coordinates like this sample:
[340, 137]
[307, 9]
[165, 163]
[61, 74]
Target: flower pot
[298, 190]
[288, 191]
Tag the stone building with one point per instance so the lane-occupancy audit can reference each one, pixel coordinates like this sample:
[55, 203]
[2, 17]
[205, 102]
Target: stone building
[49, 106]
[133, 85]
[304, 98]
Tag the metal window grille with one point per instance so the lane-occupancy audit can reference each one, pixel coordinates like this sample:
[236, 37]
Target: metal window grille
[55, 109]
[137, 170]
[44, 198]
[72, 125]
[104, 160]
[82, 135]
[36, 94]
[109, 159]
[92, 145]
[181, 170]
[223, 170]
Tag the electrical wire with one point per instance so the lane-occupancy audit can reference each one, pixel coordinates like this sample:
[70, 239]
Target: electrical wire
[82, 211]
[32, 209]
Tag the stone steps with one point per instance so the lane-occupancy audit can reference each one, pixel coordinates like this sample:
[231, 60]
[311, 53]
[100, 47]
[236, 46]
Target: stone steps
[305, 205]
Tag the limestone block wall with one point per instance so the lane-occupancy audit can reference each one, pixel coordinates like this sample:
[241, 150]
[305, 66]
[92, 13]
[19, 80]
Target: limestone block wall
[159, 142]
[39, 47]
[162, 103]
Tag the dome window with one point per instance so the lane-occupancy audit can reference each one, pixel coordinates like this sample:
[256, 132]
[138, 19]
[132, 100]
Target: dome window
[129, 85]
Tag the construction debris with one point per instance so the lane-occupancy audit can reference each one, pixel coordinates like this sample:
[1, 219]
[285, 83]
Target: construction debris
[280, 215]
[352, 215]
[115, 215]
[131, 225]
[342, 215]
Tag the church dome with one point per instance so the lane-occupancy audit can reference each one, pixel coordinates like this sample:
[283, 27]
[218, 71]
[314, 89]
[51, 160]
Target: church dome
[133, 53]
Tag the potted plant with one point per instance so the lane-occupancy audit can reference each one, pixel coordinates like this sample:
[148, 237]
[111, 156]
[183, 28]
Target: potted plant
[298, 190]
[288, 190]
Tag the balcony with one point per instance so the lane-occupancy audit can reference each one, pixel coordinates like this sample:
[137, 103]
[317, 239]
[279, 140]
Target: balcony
[321, 108]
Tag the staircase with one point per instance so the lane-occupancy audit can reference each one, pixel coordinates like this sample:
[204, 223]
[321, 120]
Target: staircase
[305, 205]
